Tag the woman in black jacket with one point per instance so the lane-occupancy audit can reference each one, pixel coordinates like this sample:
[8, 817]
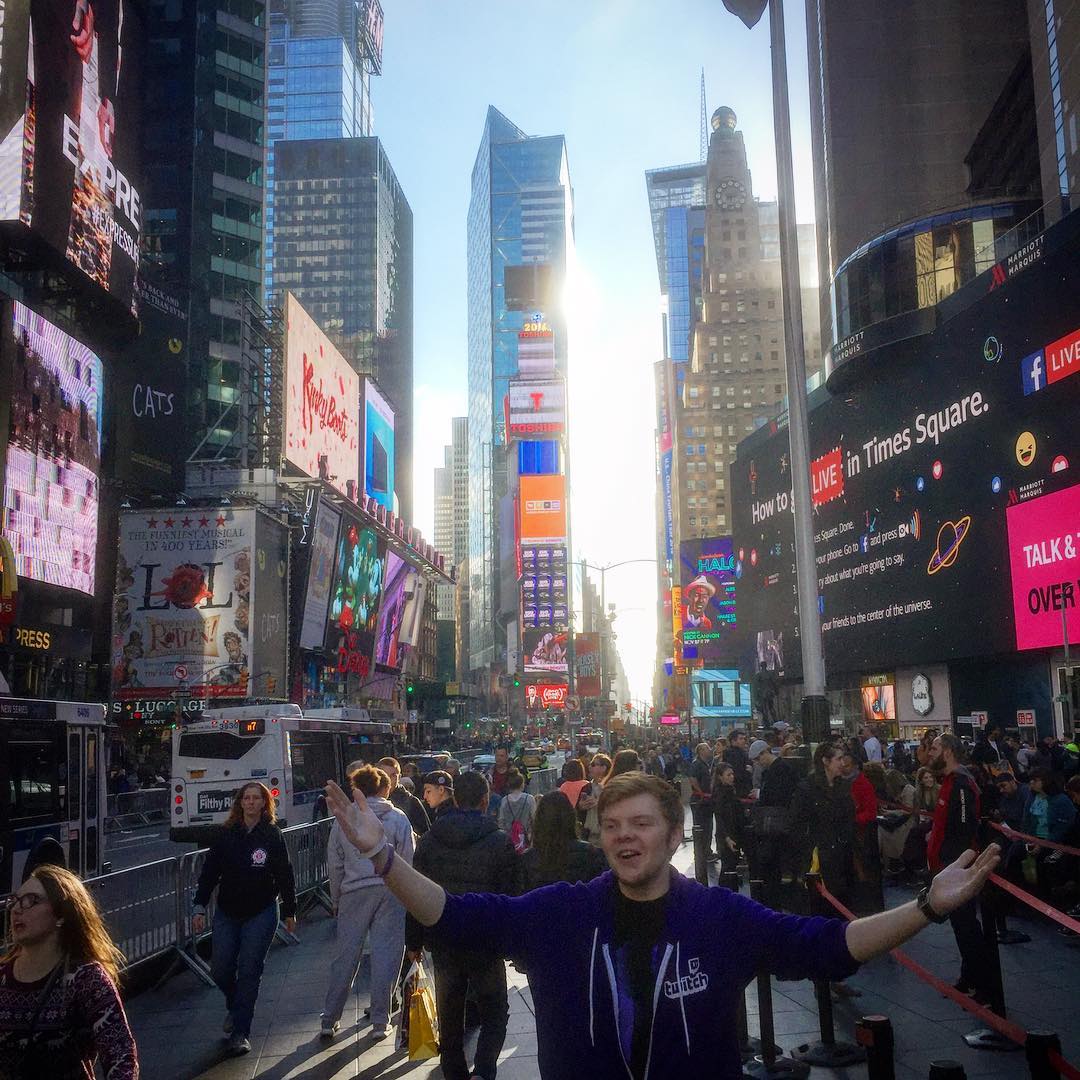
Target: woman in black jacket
[250, 866]
[557, 854]
[730, 817]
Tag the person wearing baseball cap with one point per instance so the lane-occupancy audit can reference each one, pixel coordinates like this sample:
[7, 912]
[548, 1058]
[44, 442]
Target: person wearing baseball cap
[438, 792]
[695, 611]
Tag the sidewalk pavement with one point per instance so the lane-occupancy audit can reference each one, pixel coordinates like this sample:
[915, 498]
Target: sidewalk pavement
[178, 1026]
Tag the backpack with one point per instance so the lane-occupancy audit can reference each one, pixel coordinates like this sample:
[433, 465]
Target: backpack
[517, 831]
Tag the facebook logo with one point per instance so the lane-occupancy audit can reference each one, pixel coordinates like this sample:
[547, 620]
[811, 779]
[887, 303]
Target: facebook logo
[1033, 372]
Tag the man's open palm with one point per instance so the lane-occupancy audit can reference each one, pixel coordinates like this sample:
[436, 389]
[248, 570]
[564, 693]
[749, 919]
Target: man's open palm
[963, 880]
[357, 821]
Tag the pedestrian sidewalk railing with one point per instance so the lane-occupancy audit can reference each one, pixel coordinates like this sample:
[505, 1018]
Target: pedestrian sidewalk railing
[541, 781]
[147, 908]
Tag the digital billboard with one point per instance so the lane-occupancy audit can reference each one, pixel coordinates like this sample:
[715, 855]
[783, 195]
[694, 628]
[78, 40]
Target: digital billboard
[270, 608]
[587, 664]
[70, 100]
[707, 610]
[542, 509]
[536, 347]
[183, 607]
[53, 454]
[320, 577]
[544, 595]
[537, 407]
[378, 446]
[943, 490]
[322, 404]
[545, 650]
[398, 590]
[546, 695]
[359, 567]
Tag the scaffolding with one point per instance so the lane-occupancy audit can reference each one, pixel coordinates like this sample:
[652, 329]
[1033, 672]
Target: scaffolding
[255, 417]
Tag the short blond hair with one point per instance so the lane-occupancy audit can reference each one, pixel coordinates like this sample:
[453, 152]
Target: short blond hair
[627, 785]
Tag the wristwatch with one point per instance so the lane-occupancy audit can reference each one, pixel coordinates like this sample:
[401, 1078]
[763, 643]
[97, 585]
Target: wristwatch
[923, 900]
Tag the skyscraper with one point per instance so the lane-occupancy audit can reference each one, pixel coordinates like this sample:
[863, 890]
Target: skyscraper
[891, 138]
[321, 58]
[204, 146]
[344, 247]
[520, 215]
[444, 525]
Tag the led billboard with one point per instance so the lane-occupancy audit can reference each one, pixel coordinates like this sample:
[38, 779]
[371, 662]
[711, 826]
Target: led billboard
[944, 492]
[587, 664]
[359, 567]
[53, 454]
[398, 590]
[378, 446]
[707, 610]
[70, 99]
[537, 407]
[546, 695]
[545, 650]
[322, 404]
[542, 502]
[320, 576]
[183, 607]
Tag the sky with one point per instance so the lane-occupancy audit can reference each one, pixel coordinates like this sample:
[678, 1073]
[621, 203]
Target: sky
[620, 80]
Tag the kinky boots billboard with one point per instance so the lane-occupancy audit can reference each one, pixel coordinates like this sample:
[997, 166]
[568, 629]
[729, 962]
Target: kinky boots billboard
[186, 607]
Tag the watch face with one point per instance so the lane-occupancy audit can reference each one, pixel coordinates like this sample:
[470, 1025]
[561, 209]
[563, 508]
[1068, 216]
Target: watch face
[730, 194]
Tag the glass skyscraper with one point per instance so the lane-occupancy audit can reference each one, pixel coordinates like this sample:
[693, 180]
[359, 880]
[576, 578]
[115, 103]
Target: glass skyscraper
[520, 211]
[318, 84]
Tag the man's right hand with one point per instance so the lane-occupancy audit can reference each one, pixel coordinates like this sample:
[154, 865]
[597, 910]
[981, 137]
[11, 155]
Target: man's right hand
[414, 955]
[198, 924]
[357, 821]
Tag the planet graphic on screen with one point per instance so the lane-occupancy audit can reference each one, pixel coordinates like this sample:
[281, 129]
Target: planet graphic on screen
[949, 538]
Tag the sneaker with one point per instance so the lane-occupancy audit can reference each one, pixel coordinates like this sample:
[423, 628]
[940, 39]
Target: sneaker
[227, 1027]
[380, 1031]
[239, 1045]
[329, 1028]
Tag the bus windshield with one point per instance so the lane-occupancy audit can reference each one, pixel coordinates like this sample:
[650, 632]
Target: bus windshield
[221, 745]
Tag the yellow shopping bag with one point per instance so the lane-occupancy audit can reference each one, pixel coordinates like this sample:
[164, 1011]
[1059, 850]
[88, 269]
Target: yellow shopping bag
[419, 1030]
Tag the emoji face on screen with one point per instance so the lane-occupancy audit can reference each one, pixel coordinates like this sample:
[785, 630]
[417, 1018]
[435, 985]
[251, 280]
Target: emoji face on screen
[1025, 448]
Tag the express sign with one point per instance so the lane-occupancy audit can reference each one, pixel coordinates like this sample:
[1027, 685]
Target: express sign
[546, 696]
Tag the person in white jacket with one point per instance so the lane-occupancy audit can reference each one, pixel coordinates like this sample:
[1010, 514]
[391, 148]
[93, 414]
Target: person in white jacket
[364, 904]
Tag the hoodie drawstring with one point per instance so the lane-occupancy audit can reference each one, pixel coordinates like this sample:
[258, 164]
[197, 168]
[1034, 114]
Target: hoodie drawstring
[592, 977]
[682, 1002]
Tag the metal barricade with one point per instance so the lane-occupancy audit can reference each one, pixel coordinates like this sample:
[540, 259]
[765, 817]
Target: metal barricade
[139, 908]
[306, 845]
[541, 781]
[137, 809]
[188, 869]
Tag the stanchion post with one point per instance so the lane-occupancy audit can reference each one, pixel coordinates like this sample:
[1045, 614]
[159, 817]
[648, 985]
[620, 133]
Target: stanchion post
[826, 1052]
[987, 1038]
[947, 1070]
[1038, 1046]
[875, 1035]
[701, 861]
[730, 880]
[770, 1063]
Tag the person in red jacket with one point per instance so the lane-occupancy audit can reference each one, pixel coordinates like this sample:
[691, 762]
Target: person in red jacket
[867, 896]
[954, 830]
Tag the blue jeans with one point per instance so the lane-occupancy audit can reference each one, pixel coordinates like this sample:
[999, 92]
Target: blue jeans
[240, 948]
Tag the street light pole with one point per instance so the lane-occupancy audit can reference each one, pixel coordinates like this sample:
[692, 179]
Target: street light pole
[815, 707]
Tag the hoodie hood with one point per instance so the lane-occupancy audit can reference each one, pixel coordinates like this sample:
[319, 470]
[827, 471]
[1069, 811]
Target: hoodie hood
[459, 829]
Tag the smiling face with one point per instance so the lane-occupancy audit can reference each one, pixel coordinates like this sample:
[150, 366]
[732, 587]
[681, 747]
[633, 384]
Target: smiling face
[34, 924]
[697, 601]
[1025, 448]
[639, 844]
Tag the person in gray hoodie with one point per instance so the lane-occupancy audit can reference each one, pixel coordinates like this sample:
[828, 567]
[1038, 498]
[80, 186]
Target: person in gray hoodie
[363, 904]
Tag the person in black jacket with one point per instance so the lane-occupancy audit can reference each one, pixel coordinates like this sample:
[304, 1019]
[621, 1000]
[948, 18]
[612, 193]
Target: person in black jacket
[770, 821]
[464, 851]
[405, 800]
[730, 818]
[557, 854]
[250, 867]
[737, 757]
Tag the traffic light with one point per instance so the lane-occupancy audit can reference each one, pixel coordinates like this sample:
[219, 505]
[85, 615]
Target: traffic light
[410, 689]
[517, 680]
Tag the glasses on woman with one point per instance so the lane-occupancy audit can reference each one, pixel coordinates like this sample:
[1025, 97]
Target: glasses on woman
[24, 902]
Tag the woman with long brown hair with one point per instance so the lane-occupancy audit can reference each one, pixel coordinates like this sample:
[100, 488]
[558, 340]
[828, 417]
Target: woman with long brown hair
[249, 865]
[60, 1010]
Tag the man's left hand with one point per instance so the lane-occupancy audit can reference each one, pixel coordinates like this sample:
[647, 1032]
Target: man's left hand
[963, 880]
[290, 925]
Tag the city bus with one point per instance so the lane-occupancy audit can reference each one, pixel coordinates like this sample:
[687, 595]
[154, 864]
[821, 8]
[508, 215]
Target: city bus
[291, 752]
[52, 785]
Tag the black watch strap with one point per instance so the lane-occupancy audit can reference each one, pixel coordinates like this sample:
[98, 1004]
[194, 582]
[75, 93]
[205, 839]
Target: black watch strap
[923, 900]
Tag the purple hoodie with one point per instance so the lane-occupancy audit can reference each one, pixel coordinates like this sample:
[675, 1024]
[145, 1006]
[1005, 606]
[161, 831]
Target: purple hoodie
[713, 943]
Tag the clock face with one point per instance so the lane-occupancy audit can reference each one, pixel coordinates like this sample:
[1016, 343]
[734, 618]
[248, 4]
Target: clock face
[730, 194]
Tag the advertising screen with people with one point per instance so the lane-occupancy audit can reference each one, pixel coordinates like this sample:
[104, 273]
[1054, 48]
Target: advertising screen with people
[359, 569]
[70, 169]
[707, 610]
[53, 454]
